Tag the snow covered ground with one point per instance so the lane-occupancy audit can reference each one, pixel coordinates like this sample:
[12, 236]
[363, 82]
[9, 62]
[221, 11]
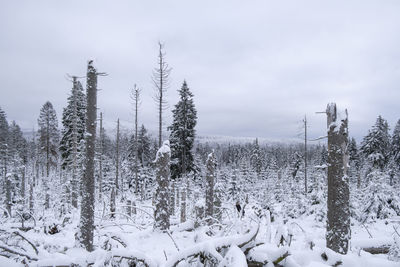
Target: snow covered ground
[284, 242]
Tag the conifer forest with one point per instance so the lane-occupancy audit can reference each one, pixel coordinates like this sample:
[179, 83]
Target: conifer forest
[180, 133]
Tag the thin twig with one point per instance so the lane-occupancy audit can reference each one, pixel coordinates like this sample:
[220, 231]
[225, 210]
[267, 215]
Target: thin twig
[173, 240]
[17, 253]
[30, 243]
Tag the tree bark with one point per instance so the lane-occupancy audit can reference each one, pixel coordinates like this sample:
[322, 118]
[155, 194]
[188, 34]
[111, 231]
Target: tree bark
[338, 223]
[87, 208]
[117, 161]
[162, 212]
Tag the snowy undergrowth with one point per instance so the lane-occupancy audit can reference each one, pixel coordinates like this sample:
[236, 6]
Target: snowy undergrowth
[123, 240]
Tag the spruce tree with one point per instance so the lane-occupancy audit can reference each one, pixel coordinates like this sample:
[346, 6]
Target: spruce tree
[144, 144]
[3, 143]
[376, 145]
[183, 133]
[354, 160]
[73, 121]
[395, 151]
[17, 150]
[255, 158]
[48, 135]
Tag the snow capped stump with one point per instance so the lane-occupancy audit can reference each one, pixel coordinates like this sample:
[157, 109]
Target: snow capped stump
[338, 223]
[210, 183]
[162, 212]
[199, 210]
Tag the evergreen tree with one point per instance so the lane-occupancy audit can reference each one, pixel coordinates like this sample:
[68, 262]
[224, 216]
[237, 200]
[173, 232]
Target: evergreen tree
[376, 145]
[17, 149]
[396, 145]
[183, 133]
[48, 135]
[354, 157]
[144, 147]
[3, 143]
[256, 159]
[73, 121]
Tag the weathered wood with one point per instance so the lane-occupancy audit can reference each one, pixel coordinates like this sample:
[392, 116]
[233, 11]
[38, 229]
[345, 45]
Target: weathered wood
[338, 213]
[384, 249]
[87, 208]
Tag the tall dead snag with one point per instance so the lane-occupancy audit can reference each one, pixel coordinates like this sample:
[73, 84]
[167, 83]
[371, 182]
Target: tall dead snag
[136, 100]
[338, 224]
[101, 145]
[117, 160]
[305, 155]
[87, 209]
[210, 180]
[161, 82]
[161, 213]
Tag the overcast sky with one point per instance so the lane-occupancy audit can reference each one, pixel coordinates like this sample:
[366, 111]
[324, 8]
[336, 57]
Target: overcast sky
[255, 67]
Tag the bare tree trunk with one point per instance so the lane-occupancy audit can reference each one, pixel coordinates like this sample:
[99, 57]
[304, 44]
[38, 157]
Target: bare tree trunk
[31, 198]
[101, 158]
[74, 182]
[160, 80]
[112, 203]
[129, 208]
[172, 198]
[183, 200]
[87, 208]
[136, 98]
[46, 180]
[210, 180]
[162, 213]
[8, 194]
[305, 154]
[117, 161]
[338, 223]
[23, 185]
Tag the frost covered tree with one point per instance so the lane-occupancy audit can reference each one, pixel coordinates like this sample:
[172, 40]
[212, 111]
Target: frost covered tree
[3, 144]
[48, 142]
[73, 121]
[48, 135]
[338, 223]
[162, 162]
[396, 144]
[144, 146]
[376, 144]
[354, 161]
[211, 165]
[183, 133]
[85, 236]
[256, 158]
[72, 136]
[161, 82]
[18, 157]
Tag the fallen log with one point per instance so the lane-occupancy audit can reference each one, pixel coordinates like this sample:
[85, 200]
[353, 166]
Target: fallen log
[384, 249]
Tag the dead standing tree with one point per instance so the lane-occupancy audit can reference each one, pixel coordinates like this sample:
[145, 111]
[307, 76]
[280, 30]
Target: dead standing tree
[338, 224]
[136, 101]
[161, 82]
[85, 237]
[211, 165]
[162, 162]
